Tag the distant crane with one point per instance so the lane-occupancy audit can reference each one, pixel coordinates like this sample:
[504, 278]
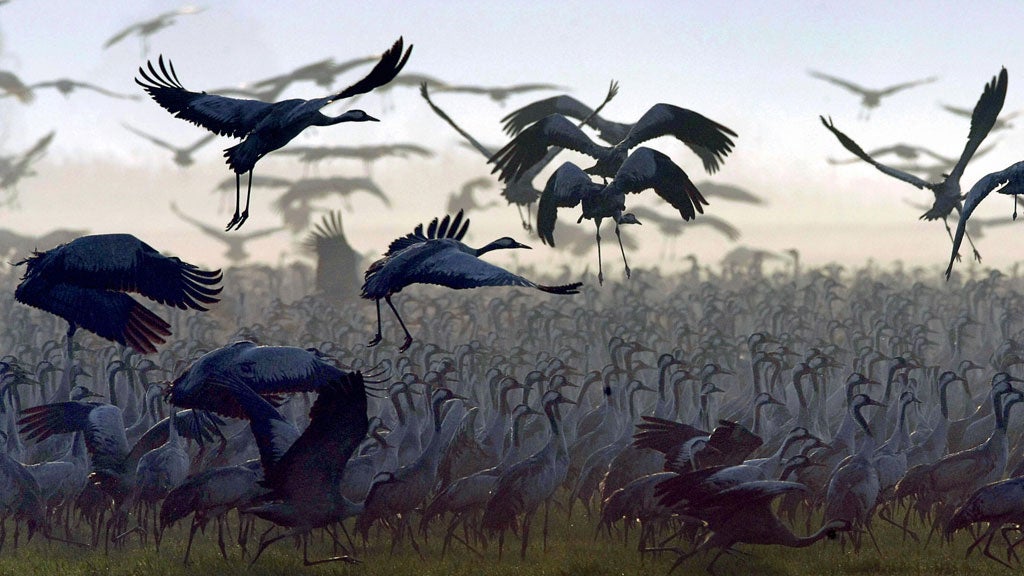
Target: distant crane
[1012, 181]
[1001, 123]
[146, 28]
[337, 263]
[14, 168]
[500, 93]
[947, 191]
[870, 98]
[86, 282]
[439, 257]
[12, 85]
[66, 86]
[645, 168]
[264, 127]
[236, 252]
[182, 155]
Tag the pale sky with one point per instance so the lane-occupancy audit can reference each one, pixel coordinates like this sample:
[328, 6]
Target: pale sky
[743, 64]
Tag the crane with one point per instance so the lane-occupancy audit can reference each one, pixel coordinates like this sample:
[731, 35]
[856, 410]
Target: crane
[870, 98]
[1011, 180]
[710, 140]
[439, 257]
[182, 154]
[946, 191]
[645, 168]
[86, 282]
[264, 127]
[146, 28]
[236, 252]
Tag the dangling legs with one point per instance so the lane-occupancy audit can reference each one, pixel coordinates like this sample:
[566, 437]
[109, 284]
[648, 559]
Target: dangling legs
[376, 339]
[238, 200]
[408, 337]
[600, 270]
[621, 249]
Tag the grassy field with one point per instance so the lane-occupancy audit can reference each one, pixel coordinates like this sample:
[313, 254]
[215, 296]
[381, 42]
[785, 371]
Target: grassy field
[573, 550]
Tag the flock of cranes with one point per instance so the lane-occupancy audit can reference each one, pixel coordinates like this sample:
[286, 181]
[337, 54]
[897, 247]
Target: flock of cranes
[697, 405]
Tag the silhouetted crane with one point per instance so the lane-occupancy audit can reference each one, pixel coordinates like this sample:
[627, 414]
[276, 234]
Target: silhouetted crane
[947, 191]
[14, 168]
[182, 155]
[1001, 123]
[870, 98]
[86, 282]
[236, 252]
[710, 140]
[500, 93]
[264, 127]
[463, 200]
[66, 86]
[1012, 181]
[11, 85]
[146, 28]
[645, 168]
[439, 257]
[337, 263]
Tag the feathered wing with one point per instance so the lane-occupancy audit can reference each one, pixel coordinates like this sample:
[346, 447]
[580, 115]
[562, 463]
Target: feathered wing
[274, 435]
[444, 264]
[517, 120]
[225, 116]
[112, 315]
[838, 82]
[102, 425]
[708, 139]
[531, 145]
[190, 424]
[860, 153]
[445, 228]
[338, 424]
[904, 85]
[564, 189]
[391, 63]
[986, 111]
[647, 168]
[978, 192]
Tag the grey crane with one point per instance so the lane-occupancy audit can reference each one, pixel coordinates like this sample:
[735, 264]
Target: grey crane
[12, 86]
[645, 168]
[500, 93]
[303, 471]
[86, 282]
[439, 257]
[519, 191]
[337, 263]
[710, 140]
[1001, 124]
[146, 28]
[182, 154]
[66, 86]
[1009, 181]
[870, 98]
[262, 126]
[946, 191]
[268, 370]
[236, 252]
[998, 503]
[14, 168]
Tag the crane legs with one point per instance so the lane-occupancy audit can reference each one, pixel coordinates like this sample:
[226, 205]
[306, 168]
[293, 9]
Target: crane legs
[377, 338]
[600, 269]
[238, 219]
[621, 249]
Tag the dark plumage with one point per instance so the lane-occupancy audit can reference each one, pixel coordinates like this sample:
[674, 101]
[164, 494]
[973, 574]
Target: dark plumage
[439, 257]
[1012, 181]
[86, 282]
[264, 127]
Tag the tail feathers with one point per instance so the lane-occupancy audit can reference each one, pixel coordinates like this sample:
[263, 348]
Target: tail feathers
[573, 288]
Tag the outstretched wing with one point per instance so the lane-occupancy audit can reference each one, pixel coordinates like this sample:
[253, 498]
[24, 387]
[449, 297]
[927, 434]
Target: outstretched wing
[530, 146]
[903, 86]
[647, 168]
[708, 139]
[1013, 174]
[234, 117]
[518, 120]
[839, 82]
[391, 63]
[565, 188]
[445, 228]
[986, 111]
[102, 425]
[860, 153]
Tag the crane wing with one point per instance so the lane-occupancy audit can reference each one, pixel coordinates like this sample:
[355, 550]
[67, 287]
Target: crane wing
[517, 120]
[708, 139]
[852, 146]
[274, 435]
[446, 265]
[986, 111]
[391, 63]
[903, 86]
[192, 424]
[338, 424]
[445, 228]
[839, 82]
[225, 116]
[102, 425]
[978, 192]
[531, 145]
[112, 315]
[565, 188]
[647, 168]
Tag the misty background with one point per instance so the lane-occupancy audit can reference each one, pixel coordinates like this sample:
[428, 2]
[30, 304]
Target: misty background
[743, 64]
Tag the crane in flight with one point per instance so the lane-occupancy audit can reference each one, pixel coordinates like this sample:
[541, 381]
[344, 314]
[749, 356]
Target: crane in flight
[946, 191]
[262, 126]
[439, 257]
[1011, 180]
[870, 98]
[146, 28]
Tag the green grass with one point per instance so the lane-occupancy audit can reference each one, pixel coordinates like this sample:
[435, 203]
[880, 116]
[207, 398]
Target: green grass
[573, 550]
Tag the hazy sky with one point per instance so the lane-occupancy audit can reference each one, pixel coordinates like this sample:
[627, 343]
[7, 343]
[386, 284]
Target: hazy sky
[743, 64]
